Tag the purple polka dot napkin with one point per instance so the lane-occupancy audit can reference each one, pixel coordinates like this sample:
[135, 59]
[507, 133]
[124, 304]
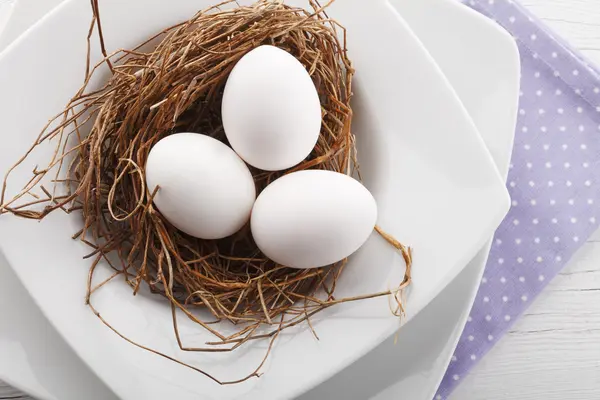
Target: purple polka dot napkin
[554, 182]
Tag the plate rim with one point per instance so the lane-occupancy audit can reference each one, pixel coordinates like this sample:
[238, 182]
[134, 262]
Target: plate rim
[41, 21]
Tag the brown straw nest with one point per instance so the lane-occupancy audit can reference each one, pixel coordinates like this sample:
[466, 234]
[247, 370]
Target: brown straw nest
[177, 87]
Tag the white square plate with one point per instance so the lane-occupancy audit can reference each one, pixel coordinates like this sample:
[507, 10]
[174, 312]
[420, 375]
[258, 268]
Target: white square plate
[453, 198]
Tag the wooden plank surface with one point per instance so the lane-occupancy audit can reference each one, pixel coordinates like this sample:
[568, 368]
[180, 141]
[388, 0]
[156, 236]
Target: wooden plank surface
[553, 351]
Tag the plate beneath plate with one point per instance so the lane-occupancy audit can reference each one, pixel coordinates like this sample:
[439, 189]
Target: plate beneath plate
[481, 61]
[34, 357]
[141, 360]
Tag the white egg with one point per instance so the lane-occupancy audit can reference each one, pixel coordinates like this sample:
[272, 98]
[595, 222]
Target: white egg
[312, 218]
[271, 109]
[205, 189]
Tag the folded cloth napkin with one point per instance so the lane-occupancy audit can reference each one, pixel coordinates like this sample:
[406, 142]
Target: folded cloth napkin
[554, 182]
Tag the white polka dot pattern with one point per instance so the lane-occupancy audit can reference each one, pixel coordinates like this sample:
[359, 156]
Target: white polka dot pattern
[552, 181]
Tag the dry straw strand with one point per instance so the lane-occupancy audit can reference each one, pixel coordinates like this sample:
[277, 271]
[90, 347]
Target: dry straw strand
[177, 87]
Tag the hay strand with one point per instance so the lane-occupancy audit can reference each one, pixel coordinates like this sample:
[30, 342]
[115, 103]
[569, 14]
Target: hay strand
[175, 87]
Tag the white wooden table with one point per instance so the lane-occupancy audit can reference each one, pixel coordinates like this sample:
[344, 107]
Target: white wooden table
[553, 351]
